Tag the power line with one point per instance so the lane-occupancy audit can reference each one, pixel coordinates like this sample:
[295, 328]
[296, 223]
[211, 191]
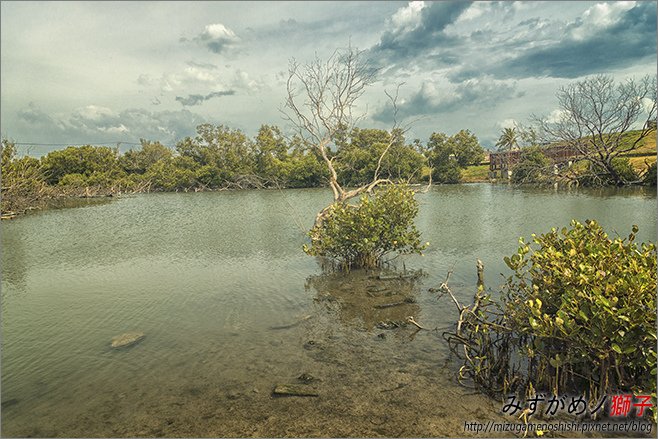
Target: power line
[41, 144]
[73, 143]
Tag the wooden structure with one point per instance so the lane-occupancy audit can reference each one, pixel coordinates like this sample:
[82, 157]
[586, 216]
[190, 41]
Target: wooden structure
[502, 162]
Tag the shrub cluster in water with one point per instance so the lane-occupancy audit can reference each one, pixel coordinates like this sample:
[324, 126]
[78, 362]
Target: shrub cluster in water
[587, 307]
[579, 311]
[360, 235]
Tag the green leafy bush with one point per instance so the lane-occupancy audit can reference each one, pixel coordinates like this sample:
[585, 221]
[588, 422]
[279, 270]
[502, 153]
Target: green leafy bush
[585, 307]
[598, 176]
[83, 160]
[448, 155]
[447, 172]
[361, 235]
[23, 184]
[534, 167]
[578, 316]
[358, 157]
[303, 170]
[172, 174]
[73, 180]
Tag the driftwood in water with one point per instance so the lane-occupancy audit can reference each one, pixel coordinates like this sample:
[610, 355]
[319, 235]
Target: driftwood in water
[294, 390]
[406, 301]
[398, 276]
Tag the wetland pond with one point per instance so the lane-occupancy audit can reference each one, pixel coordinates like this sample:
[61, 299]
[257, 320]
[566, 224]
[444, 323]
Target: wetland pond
[231, 307]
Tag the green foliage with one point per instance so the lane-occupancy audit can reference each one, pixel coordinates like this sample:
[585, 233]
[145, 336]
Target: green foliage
[230, 152]
[23, 184]
[449, 155]
[466, 148]
[303, 170]
[508, 140]
[358, 157]
[74, 180]
[534, 167]
[361, 235]
[83, 160]
[172, 174]
[95, 179]
[132, 182]
[209, 176]
[585, 307]
[620, 169]
[447, 171]
[138, 162]
[217, 157]
[271, 152]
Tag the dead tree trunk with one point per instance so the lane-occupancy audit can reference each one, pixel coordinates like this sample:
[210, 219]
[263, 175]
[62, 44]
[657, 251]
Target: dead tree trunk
[320, 104]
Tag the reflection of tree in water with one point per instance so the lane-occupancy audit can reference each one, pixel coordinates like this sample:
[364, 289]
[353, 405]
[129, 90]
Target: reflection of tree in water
[367, 299]
[14, 267]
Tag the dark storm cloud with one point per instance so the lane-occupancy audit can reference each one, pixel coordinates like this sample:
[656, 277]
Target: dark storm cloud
[398, 45]
[34, 115]
[98, 124]
[197, 99]
[631, 39]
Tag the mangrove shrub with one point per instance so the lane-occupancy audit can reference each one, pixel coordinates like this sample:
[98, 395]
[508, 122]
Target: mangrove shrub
[577, 316]
[23, 184]
[533, 167]
[360, 235]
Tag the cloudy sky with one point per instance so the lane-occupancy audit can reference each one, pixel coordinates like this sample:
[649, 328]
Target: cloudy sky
[94, 72]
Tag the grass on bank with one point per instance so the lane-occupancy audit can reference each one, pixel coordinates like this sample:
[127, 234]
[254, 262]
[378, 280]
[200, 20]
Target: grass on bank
[472, 174]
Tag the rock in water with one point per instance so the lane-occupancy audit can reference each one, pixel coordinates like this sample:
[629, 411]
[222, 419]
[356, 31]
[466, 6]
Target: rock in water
[127, 339]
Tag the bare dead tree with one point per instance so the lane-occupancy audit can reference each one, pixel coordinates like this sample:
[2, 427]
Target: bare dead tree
[320, 104]
[595, 116]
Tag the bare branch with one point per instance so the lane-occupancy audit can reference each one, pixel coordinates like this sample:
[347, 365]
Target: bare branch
[596, 115]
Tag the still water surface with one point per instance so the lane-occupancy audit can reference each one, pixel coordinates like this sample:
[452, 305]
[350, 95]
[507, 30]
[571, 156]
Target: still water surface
[232, 307]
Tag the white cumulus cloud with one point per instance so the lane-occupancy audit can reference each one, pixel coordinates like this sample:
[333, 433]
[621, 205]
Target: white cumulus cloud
[408, 17]
[598, 17]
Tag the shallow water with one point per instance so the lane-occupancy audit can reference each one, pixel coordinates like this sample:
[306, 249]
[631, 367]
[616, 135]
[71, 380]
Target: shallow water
[231, 307]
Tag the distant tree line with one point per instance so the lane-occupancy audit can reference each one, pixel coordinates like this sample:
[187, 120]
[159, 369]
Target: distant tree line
[219, 157]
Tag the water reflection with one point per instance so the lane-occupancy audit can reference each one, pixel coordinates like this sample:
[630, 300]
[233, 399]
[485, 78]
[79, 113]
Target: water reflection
[15, 272]
[209, 276]
[367, 300]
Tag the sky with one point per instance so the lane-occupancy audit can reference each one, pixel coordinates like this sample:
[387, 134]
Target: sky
[108, 72]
